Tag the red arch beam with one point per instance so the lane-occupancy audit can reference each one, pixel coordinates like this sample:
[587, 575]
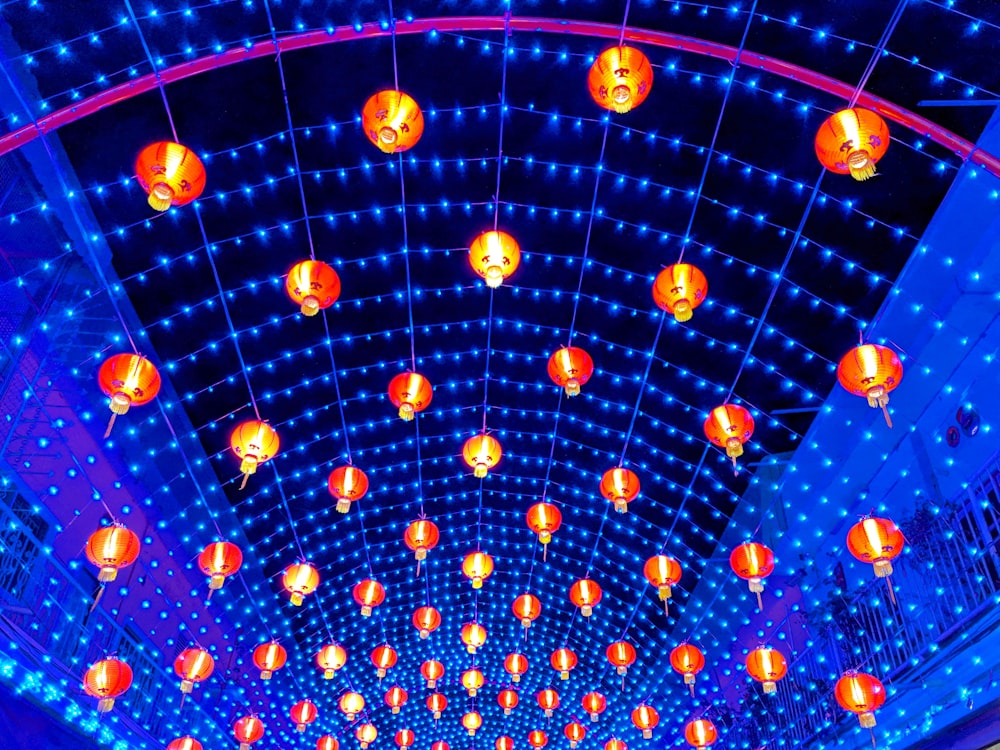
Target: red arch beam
[964, 149]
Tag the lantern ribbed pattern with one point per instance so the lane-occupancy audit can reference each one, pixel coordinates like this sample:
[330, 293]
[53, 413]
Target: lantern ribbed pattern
[871, 371]
[473, 636]
[384, 658]
[112, 548]
[620, 486]
[767, 665]
[410, 393]
[313, 285]
[392, 121]
[432, 670]
[436, 703]
[300, 580]
[347, 484]
[729, 426]
[395, 698]
[594, 704]
[472, 720]
[700, 733]
[269, 658]
[248, 730]
[585, 594]
[620, 79]
[472, 681]
[861, 694]
[621, 654]
[477, 567]
[664, 572]
[687, 660]
[852, 141]
[106, 680]
[369, 594]
[254, 442]
[645, 718]
[575, 732]
[508, 700]
[405, 738]
[548, 701]
[426, 620]
[537, 739]
[544, 519]
[563, 660]
[185, 743]
[351, 704]
[421, 536]
[877, 541]
[753, 562]
[366, 734]
[570, 367]
[482, 453]
[615, 744]
[171, 174]
[327, 742]
[193, 665]
[494, 255]
[303, 713]
[678, 289]
[331, 658]
[504, 742]
[516, 665]
[527, 608]
[220, 560]
[128, 380]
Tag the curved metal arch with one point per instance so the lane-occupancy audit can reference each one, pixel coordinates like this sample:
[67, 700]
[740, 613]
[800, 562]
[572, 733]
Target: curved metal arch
[966, 150]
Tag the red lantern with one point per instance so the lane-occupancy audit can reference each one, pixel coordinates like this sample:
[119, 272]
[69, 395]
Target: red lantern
[395, 698]
[171, 174]
[615, 744]
[645, 719]
[700, 733]
[585, 594]
[472, 720]
[516, 665]
[426, 620]
[570, 367]
[621, 654]
[527, 608]
[219, 560]
[678, 289]
[303, 713]
[112, 548]
[871, 371]
[753, 562]
[369, 594]
[366, 734]
[688, 661]
[384, 658]
[537, 739]
[508, 700]
[473, 636]
[411, 393]
[620, 79]
[472, 681]
[663, 572]
[351, 704]
[861, 694]
[106, 680]
[575, 733]
[504, 743]
[494, 256]
[544, 519]
[563, 660]
[300, 580]
[482, 453]
[328, 742]
[313, 285]
[269, 658]
[421, 536]
[405, 739]
[253, 442]
[440, 745]
[392, 121]
[729, 426]
[767, 665]
[347, 484]
[620, 486]
[248, 730]
[437, 703]
[331, 658]
[852, 141]
[185, 743]
[877, 541]
[432, 671]
[594, 704]
[548, 701]
[193, 665]
[128, 380]
[477, 566]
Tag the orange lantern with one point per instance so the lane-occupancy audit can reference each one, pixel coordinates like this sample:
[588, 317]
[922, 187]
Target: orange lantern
[405, 739]
[384, 658]
[366, 734]
[432, 671]
[426, 620]
[663, 572]
[620, 486]
[861, 694]
[395, 698]
[303, 713]
[700, 733]
[193, 665]
[482, 453]
[171, 174]
[508, 700]
[544, 519]
[767, 665]
[516, 665]
[688, 661]
[575, 732]
[615, 744]
[494, 255]
[473, 636]
[504, 743]
[472, 720]
[548, 701]
[219, 560]
[570, 367]
[248, 730]
[112, 548]
[254, 442]
[527, 608]
[392, 121]
[585, 594]
[437, 703]
[472, 681]
[185, 743]
[753, 562]
[852, 141]
[877, 541]
[621, 654]
[729, 426]
[347, 484]
[128, 380]
[477, 566]
[537, 739]
[678, 289]
[351, 704]
[269, 658]
[871, 371]
[313, 285]
[300, 580]
[594, 704]
[331, 658]
[327, 742]
[645, 719]
[563, 660]
[620, 79]
[411, 393]
[368, 594]
[106, 680]
[440, 745]
[421, 536]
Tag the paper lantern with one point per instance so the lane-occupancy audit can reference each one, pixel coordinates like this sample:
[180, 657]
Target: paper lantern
[767, 666]
[347, 484]
[527, 608]
[575, 732]
[548, 701]
[570, 367]
[620, 486]
[313, 285]
[254, 442]
[615, 744]
[729, 426]
[185, 743]
[700, 733]
[193, 665]
[219, 560]
[384, 658]
[303, 713]
[351, 704]
[112, 548]
[620, 79]
[645, 719]
[392, 121]
[663, 572]
[171, 174]
[687, 660]
[440, 745]
[369, 594]
[106, 680]
[621, 654]
[432, 670]
[473, 636]
[421, 536]
[404, 739]
[481, 453]
[411, 393]
[248, 730]
[544, 519]
[327, 742]
[269, 658]
[594, 704]
[426, 620]
[753, 562]
[585, 594]
[331, 658]
[852, 141]
[395, 698]
[366, 734]
[678, 289]
[494, 255]
[477, 567]
[472, 720]
[300, 580]
[861, 694]
[563, 660]
[516, 665]
[504, 743]
[508, 700]
[871, 371]
[537, 739]
[877, 541]
[128, 380]
[472, 681]
[436, 703]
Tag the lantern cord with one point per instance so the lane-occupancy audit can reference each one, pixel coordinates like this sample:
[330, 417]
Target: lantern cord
[621, 36]
[392, 28]
[503, 99]
[409, 283]
[156, 71]
[877, 52]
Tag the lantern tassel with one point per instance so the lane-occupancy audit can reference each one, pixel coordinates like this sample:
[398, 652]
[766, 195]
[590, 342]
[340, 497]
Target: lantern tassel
[183, 696]
[885, 412]
[760, 604]
[97, 598]
[418, 568]
[691, 685]
[892, 594]
[209, 597]
[111, 423]
[666, 607]
[243, 484]
[545, 553]
[873, 739]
